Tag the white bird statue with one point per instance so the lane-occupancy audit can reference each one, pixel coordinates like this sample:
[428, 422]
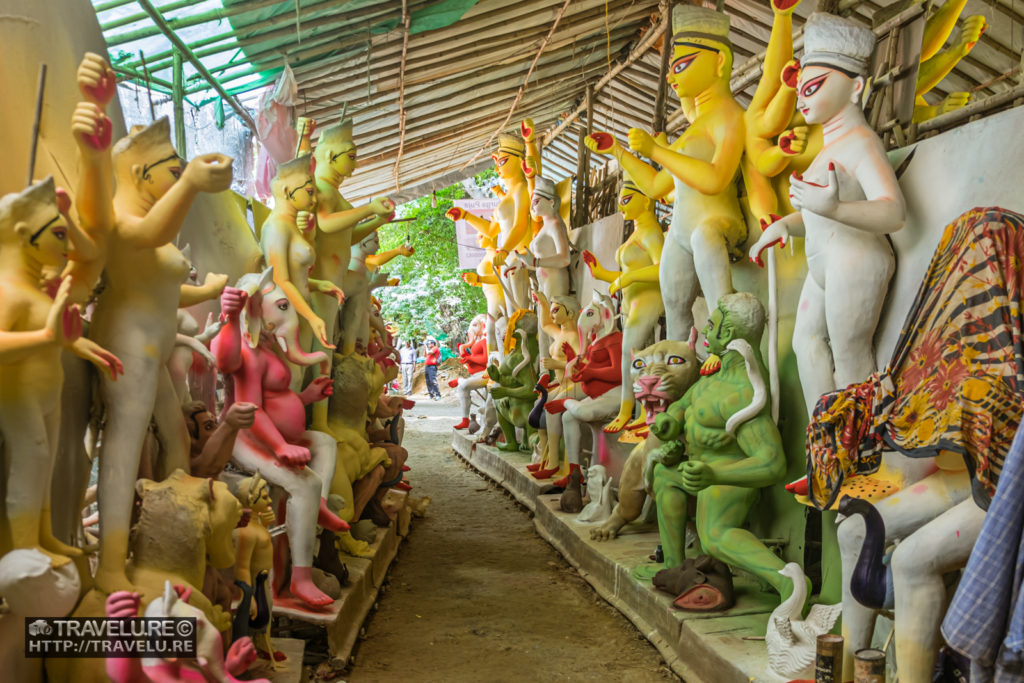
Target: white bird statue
[791, 640]
[599, 486]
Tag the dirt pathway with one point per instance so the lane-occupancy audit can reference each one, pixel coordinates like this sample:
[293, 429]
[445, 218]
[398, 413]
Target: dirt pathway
[476, 595]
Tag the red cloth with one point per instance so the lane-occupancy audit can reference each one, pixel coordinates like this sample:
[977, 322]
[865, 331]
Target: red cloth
[433, 356]
[474, 356]
[600, 369]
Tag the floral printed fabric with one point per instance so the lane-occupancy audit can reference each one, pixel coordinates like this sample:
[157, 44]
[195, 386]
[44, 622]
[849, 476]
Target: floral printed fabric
[956, 377]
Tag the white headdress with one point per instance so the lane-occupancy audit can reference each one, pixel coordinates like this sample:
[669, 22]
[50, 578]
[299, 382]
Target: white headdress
[837, 43]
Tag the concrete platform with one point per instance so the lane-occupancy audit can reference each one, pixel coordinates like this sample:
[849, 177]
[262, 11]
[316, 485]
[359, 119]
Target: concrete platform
[698, 647]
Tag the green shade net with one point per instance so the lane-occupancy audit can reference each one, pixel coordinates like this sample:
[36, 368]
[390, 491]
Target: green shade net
[434, 16]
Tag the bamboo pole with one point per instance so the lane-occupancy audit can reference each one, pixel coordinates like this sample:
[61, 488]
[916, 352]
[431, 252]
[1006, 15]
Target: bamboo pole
[401, 94]
[658, 123]
[40, 92]
[522, 88]
[162, 26]
[973, 109]
[178, 98]
[185, 22]
[638, 51]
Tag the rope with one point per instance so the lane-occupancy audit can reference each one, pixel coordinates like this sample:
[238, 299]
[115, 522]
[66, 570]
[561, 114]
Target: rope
[522, 88]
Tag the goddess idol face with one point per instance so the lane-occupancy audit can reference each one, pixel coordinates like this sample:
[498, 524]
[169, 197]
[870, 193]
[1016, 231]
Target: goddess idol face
[823, 92]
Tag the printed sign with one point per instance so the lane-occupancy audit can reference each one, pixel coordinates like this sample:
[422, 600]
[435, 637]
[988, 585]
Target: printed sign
[470, 254]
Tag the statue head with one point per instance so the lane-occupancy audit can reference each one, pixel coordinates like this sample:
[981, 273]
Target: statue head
[31, 220]
[336, 152]
[633, 203]
[254, 494]
[293, 185]
[369, 245]
[661, 374]
[738, 316]
[201, 423]
[597, 319]
[477, 327]
[268, 314]
[837, 54]
[545, 201]
[509, 157]
[146, 160]
[701, 51]
[564, 309]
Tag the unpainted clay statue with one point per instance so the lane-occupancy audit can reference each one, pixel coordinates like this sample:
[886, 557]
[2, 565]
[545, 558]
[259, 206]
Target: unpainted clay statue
[213, 441]
[192, 342]
[661, 374]
[135, 318]
[599, 488]
[847, 202]
[184, 523]
[338, 225]
[31, 588]
[732, 447]
[287, 238]
[254, 559]
[700, 167]
[637, 279]
[278, 445]
[34, 329]
[355, 311]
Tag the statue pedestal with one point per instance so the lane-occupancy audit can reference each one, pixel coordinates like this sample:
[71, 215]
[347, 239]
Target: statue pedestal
[367, 578]
[697, 646]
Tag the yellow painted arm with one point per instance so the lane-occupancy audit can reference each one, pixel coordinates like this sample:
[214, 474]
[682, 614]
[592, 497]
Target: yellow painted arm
[938, 27]
[378, 260]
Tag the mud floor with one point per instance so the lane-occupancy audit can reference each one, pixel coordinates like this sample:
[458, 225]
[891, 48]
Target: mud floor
[476, 595]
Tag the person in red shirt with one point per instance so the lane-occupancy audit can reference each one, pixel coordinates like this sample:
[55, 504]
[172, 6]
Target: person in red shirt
[472, 354]
[433, 358]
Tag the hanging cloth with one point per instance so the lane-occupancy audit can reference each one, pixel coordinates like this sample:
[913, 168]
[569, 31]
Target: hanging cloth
[275, 124]
[956, 378]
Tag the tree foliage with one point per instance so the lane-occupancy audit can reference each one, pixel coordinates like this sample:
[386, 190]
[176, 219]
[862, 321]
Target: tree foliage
[432, 299]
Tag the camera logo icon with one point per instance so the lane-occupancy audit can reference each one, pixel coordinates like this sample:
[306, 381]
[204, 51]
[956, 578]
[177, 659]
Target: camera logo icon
[40, 627]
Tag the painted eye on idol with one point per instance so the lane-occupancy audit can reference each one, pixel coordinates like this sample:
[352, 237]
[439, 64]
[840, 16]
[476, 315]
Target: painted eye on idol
[626, 198]
[681, 64]
[812, 86]
[282, 305]
[639, 364]
[61, 233]
[676, 360]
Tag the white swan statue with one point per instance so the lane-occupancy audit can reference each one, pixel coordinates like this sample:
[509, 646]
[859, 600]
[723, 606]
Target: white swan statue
[791, 640]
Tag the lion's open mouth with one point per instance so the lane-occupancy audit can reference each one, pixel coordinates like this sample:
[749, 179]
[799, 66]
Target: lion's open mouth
[654, 401]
